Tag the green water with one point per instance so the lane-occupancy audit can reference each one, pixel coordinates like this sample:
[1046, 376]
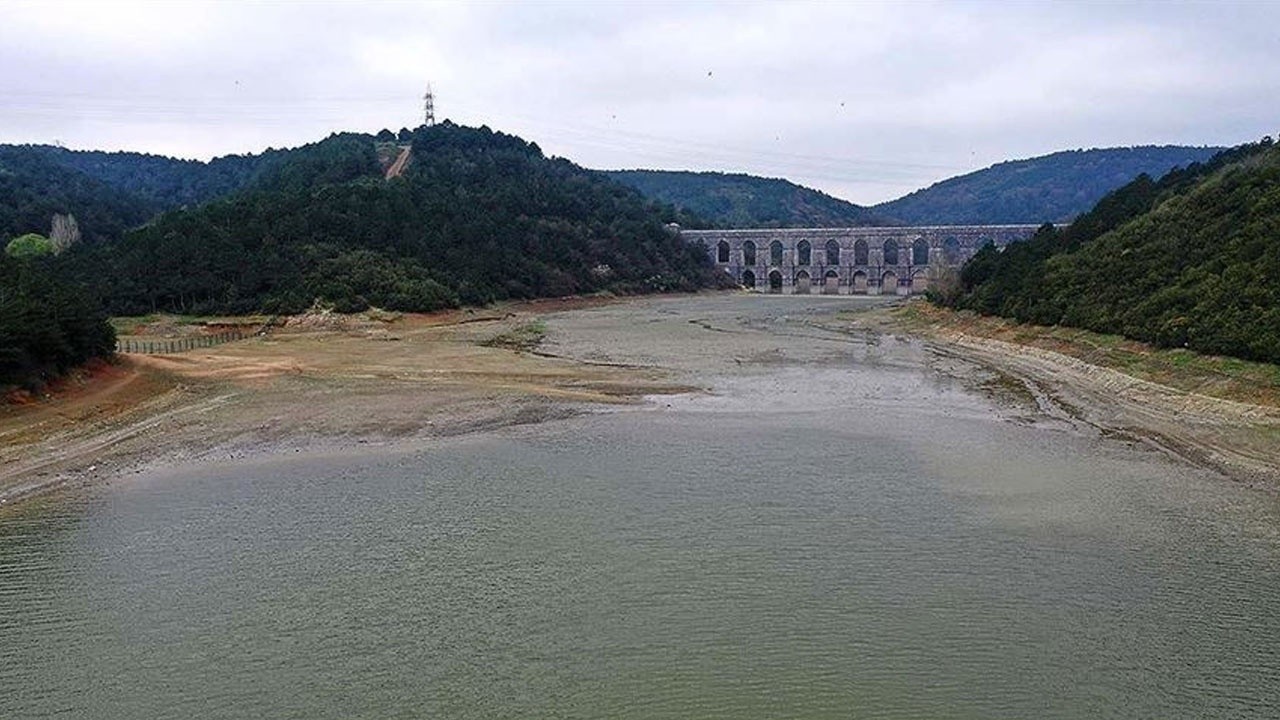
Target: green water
[832, 539]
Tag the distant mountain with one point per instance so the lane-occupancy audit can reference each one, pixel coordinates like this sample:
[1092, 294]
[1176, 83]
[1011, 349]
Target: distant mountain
[745, 201]
[476, 216]
[1051, 188]
[1191, 260]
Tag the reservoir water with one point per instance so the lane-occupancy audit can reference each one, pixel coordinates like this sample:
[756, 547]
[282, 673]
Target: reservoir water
[837, 529]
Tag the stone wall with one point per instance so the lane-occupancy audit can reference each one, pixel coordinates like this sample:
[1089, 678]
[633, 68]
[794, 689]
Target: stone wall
[859, 260]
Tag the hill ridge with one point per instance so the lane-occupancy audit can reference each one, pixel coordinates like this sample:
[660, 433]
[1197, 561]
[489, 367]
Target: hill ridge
[1046, 188]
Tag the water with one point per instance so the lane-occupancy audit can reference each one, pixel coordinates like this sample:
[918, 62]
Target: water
[829, 538]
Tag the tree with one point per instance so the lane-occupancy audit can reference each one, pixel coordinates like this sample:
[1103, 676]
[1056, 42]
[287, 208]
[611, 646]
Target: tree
[29, 246]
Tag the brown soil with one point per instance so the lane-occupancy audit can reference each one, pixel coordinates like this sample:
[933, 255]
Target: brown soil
[397, 167]
[324, 382]
[316, 381]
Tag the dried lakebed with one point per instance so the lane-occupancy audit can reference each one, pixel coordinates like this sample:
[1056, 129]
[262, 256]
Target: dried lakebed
[842, 522]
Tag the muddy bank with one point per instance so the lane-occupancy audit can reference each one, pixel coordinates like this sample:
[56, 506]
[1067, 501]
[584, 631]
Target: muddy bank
[324, 384]
[316, 383]
[1240, 440]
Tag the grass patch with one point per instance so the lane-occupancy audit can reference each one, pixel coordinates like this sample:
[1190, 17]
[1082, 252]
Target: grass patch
[520, 338]
[156, 323]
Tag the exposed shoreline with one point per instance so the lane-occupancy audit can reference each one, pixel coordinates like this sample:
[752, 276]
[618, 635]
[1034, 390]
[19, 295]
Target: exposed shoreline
[1238, 439]
[354, 383]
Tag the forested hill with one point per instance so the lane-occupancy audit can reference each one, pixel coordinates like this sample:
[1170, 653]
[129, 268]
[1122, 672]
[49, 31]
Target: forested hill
[163, 182]
[34, 188]
[477, 216]
[1191, 260]
[746, 201]
[109, 193]
[1051, 188]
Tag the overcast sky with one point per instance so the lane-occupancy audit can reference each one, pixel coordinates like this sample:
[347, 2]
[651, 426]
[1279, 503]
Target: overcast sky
[866, 101]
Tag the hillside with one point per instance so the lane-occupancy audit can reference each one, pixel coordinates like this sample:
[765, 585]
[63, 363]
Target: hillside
[33, 188]
[164, 183]
[477, 216]
[745, 201]
[1191, 260]
[1051, 188]
[109, 193]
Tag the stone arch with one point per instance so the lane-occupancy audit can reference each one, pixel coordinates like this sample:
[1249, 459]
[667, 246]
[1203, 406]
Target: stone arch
[775, 281]
[951, 250]
[920, 252]
[890, 252]
[722, 252]
[919, 282]
[802, 283]
[748, 279]
[804, 253]
[860, 252]
[858, 284]
[831, 283]
[775, 253]
[833, 252]
[749, 253]
[889, 283]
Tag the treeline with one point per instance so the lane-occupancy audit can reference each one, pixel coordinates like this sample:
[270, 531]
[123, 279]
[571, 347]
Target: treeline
[727, 200]
[34, 188]
[47, 325]
[1191, 260]
[1050, 188]
[164, 183]
[479, 216]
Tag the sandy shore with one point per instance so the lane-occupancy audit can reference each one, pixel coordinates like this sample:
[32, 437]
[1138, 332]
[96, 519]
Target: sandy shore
[345, 382]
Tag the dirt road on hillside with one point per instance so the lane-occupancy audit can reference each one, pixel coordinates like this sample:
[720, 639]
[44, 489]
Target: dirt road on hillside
[402, 162]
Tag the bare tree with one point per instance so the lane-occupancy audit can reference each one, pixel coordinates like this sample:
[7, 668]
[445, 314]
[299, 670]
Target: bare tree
[65, 233]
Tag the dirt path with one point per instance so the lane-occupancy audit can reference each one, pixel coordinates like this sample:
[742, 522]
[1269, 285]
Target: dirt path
[402, 161]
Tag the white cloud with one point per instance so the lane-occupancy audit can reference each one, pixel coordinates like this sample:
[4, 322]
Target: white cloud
[864, 100]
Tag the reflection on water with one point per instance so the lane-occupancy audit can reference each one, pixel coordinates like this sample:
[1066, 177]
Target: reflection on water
[822, 541]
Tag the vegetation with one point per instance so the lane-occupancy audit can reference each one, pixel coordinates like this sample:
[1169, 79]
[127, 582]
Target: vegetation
[522, 337]
[165, 183]
[745, 201]
[478, 216]
[1052, 188]
[110, 193]
[1191, 260]
[29, 246]
[47, 326]
[33, 189]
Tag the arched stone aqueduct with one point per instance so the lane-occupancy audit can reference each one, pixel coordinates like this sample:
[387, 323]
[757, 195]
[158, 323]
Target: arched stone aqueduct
[849, 261]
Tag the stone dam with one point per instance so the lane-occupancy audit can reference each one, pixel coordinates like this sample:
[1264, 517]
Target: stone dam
[849, 261]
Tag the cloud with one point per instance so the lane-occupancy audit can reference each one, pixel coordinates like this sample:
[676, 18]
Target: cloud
[866, 101]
